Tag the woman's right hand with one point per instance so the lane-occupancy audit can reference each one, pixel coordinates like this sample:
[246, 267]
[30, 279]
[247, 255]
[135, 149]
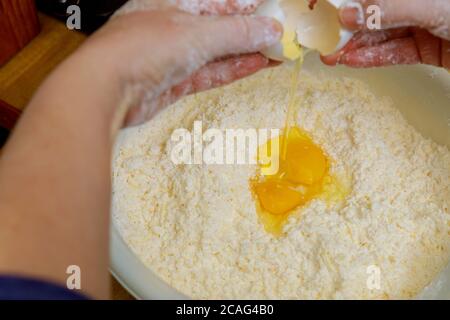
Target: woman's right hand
[412, 31]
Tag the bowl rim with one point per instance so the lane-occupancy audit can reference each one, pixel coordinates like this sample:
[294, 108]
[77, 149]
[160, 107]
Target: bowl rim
[129, 271]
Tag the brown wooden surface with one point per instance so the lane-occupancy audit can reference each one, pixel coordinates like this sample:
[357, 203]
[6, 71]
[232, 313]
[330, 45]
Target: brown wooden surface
[118, 292]
[18, 25]
[22, 75]
[8, 116]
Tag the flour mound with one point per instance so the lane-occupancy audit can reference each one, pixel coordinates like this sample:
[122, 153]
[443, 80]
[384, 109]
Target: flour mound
[197, 227]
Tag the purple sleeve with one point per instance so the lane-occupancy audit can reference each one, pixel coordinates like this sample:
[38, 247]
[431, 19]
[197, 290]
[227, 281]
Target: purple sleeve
[20, 288]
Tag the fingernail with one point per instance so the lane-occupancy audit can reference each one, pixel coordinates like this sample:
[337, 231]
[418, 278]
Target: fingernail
[272, 30]
[352, 15]
[332, 59]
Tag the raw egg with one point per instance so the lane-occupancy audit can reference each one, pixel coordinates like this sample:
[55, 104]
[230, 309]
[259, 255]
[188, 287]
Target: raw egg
[314, 25]
[303, 175]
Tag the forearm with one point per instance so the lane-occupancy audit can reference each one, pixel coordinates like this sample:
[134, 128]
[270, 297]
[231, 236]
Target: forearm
[49, 215]
[55, 170]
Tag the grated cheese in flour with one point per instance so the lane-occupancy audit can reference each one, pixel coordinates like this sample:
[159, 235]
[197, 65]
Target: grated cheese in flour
[198, 229]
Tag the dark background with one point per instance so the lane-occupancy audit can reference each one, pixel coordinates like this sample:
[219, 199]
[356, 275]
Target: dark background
[94, 13]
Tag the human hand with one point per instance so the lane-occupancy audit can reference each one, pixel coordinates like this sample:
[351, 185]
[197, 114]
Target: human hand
[142, 60]
[413, 31]
[161, 53]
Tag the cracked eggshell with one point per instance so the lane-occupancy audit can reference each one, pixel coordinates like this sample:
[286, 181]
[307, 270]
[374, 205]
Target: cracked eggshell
[317, 29]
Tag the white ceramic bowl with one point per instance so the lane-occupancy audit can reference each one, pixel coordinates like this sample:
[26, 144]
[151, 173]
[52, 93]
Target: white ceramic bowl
[421, 93]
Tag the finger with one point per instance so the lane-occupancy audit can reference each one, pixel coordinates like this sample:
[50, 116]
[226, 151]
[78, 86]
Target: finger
[212, 75]
[218, 7]
[208, 37]
[231, 35]
[429, 47]
[433, 15]
[445, 54]
[142, 5]
[398, 51]
[197, 7]
[188, 42]
[366, 39]
[220, 73]
[312, 4]
[216, 35]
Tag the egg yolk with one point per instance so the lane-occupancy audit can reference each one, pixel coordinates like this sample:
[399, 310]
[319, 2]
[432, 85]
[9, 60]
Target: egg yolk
[278, 196]
[305, 163]
[302, 174]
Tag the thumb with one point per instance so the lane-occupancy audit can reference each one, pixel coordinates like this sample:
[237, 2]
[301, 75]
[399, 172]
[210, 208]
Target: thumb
[433, 15]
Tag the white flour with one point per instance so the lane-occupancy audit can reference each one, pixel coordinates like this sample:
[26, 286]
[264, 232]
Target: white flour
[197, 226]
